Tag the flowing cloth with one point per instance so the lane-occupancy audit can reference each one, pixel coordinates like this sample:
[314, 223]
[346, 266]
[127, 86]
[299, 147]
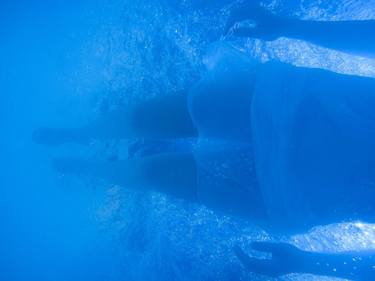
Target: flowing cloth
[294, 146]
[314, 145]
[220, 106]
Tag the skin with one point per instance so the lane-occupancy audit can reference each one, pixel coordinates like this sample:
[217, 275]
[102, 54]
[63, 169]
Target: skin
[354, 37]
[150, 119]
[288, 259]
[330, 125]
[169, 118]
[294, 153]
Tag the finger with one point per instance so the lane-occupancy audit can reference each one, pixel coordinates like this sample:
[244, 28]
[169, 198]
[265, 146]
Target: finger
[278, 250]
[244, 11]
[231, 24]
[245, 32]
[259, 266]
[239, 253]
[265, 246]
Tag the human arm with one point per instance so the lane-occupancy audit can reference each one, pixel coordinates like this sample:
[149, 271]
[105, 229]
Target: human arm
[287, 259]
[355, 36]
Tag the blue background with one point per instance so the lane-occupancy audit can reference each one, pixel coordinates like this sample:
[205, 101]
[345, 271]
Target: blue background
[65, 62]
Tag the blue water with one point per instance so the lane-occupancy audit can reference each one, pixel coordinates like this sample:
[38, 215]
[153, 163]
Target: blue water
[63, 64]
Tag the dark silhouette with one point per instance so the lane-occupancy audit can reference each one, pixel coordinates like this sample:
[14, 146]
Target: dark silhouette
[356, 37]
[287, 147]
[163, 117]
[286, 258]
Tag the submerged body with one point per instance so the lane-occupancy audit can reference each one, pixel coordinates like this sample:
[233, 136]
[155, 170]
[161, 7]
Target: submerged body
[287, 147]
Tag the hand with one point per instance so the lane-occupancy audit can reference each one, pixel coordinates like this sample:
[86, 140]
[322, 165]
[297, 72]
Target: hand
[285, 259]
[264, 25]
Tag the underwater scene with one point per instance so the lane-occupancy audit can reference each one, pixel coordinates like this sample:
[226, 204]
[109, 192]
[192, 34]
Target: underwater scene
[187, 140]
